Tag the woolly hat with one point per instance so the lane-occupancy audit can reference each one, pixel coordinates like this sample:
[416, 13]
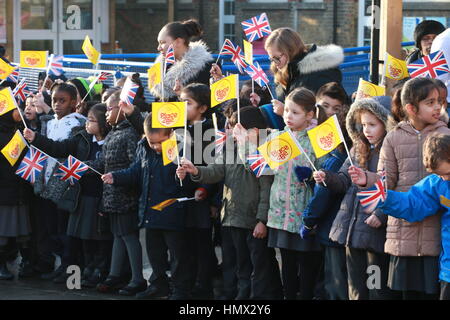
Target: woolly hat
[427, 27]
[353, 126]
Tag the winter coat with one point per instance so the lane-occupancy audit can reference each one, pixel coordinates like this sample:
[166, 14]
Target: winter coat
[118, 152]
[429, 197]
[401, 157]
[193, 67]
[319, 66]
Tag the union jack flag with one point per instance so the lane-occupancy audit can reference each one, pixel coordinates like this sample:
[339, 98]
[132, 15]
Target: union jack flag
[14, 76]
[170, 56]
[256, 27]
[257, 164]
[372, 197]
[32, 165]
[430, 66]
[104, 76]
[72, 170]
[221, 138]
[236, 54]
[56, 65]
[21, 91]
[257, 74]
[129, 92]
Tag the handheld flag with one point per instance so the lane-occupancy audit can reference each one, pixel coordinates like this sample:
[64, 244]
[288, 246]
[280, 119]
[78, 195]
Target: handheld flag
[21, 91]
[161, 206]
[32, 165]
[170, 56]
[168, 114]
[368, 90]
[229, 49]
[257, 164]
[326, 137]
[170, 150]
[91, 53]
[14, 76]
[224, 90]
[371, 198]
[221, 137]
[105, 76]
[33, 59]
[248, 52]
[154, 75]
[6, 70]
[56, 65]
[7, 101]
[72, 170]
[129, 92]
[279, 150]
[257, 74]
[14, 148]
[430, 66]
[395, 69]
[256, 27]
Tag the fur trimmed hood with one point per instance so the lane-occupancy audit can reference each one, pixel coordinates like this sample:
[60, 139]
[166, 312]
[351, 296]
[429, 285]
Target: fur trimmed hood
[354, 127]
[321, 58]
[193, 62]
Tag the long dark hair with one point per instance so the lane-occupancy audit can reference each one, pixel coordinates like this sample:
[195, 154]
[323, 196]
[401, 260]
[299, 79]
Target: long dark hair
[185, 30]
[306, 99]
[201, 94]
[99, 113]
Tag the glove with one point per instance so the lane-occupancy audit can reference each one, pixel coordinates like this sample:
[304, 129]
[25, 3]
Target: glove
[302, 173]
[304, 232]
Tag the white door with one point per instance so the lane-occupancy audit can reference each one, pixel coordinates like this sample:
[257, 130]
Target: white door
[58, 26]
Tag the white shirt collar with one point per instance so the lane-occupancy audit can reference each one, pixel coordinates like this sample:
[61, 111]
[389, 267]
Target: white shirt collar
[100, 143]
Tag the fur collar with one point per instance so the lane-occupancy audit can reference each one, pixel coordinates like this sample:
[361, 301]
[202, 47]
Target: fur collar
[323, 58]
[194, 60]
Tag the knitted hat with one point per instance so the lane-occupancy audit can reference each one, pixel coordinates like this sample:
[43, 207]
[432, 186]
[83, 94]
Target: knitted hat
[427, 27]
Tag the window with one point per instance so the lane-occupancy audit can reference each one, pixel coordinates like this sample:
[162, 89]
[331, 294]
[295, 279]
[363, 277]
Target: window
[227, 21]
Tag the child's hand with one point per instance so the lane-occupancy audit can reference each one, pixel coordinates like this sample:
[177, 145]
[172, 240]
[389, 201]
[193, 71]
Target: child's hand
[260, 231]
[39, 103]
[29, 135]
[126, 108]
[278, 107]
[319, 176]
[216, 72]
[358, 176]
[240, 134]
[189, 167]
[200, 194]
[177, 88]
[255, 99]
[181, 173]
[373, 221]
[108, 178]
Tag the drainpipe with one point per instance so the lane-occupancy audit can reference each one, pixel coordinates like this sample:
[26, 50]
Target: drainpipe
[335, 22]
[375, 44]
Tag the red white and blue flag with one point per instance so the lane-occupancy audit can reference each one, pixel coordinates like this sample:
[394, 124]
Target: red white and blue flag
[430, 66]
[56, 65]
[371, 198]
[32, 165]
[21, 91]
[129, 92]
[14, 76]
[257, 74]
[104, 76]
[72, 170]
[257, 164]
[170, 56]
[236, 54]
[256, 27]
[221, 139]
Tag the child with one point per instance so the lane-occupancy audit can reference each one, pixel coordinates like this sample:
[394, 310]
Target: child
[363, 234]
[84, 221]
[426, 198]
[288, 200]
[332, 97]
[54, 213]
[414, 247]
[30, 114]
[164, 230]
[120, 203]
[247, 261]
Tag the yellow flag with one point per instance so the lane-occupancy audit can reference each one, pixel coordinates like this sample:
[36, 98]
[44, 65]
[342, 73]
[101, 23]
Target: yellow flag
[326, 137]
[224, 90]
[395, 68]
[91, 53]
[367, 90]
[5, 69]
[161, 206]
[14, 148]
[168, 114]
[7, 101]
[33, 59]
[169, 150]
[248, 52]
[279, 150]
[154, 75]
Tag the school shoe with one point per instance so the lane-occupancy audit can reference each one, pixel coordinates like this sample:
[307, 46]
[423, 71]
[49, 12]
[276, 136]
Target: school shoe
[5, 274]
[153, 292]
[111, 285]
[54, 274]
[96, 278]
[132, 290]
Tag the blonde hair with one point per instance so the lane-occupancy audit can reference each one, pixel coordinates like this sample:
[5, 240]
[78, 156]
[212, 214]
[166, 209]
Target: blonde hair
[288, 42]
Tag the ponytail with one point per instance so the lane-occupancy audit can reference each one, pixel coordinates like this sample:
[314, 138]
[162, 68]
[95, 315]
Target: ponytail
[185, 30]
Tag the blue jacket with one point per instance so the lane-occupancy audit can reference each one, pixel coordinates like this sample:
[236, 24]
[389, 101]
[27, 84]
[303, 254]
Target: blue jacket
[426, 198]
[157, 183]
[324, 204]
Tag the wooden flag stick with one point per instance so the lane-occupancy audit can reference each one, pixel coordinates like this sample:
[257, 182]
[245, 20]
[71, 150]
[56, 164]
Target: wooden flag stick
[21, 116]
[270, 91]
[237, 97]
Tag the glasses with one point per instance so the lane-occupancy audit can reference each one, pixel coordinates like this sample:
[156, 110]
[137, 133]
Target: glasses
[276, 60]
[91, 121]
[111, 108]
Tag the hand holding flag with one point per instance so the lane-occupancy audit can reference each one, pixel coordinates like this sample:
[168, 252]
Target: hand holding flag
[373, 197]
